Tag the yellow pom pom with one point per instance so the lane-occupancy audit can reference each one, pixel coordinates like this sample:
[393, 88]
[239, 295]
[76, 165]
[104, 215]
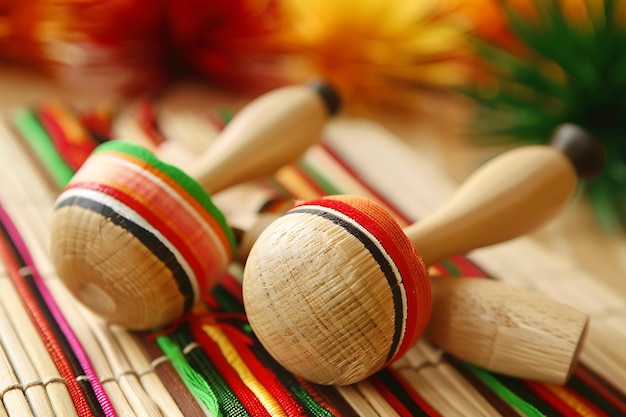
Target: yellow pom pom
[377, 51]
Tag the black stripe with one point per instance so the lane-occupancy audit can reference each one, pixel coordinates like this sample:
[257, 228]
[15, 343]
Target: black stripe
[67, 351]
[159, 250]
[389, 380]
[383, 264]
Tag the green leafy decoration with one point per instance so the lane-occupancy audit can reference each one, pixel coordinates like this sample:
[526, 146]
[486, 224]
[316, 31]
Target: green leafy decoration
[567, 71]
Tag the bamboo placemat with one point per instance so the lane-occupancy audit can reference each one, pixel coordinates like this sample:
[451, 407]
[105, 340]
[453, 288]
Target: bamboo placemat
[59, 359]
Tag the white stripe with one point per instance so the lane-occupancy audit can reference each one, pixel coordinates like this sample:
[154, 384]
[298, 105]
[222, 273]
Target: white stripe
[217, 243]
[382, 249]
[130, 214]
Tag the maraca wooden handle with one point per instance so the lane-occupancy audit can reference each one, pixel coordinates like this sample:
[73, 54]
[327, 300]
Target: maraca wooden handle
[504, 329]
[271, 131]
[508, 197]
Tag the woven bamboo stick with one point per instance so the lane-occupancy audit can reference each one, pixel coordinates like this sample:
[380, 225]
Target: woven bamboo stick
[422, 359]
[357, 401]
[376, 399]
[128, 380]
[85, 325]
[11, 391]
[145, 372]
[31, 382]
[56, 389]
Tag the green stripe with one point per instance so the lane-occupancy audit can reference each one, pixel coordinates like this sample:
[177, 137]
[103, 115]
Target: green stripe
[226, 300]
[31, 129]
[193, 380]
[450, 267]
[229, 303]
[503, 392]
[179, 176]
[593, 396]
[526, 393]
[318, 178]
[226, 398]
[309, 403]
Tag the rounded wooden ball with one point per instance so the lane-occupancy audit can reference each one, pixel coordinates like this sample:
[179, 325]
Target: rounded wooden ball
[136, 240]
[335, 291]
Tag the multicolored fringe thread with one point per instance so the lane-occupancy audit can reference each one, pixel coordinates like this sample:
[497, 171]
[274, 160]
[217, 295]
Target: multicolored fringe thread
[227, 372]
[85, 389]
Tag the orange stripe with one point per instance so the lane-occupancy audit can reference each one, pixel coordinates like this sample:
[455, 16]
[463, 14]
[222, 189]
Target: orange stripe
[599, 388]
[199, 248]
[245, 374]
[296, 184]
[181, 191]
[575, 401]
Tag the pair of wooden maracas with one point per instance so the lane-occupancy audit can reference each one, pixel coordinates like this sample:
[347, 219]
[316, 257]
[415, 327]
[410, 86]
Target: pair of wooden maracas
[335, 290]
[137, 240]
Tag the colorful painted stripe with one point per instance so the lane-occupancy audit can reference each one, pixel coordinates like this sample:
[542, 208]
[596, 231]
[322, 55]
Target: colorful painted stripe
[28, 125]
[125, 217]
[175, 178]
[68, 135]
[394, 254]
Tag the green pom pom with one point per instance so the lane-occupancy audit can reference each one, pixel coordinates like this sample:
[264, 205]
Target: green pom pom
[569, 72]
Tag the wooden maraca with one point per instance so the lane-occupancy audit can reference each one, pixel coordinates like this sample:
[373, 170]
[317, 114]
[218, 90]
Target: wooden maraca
[335, 290]
[137, 240]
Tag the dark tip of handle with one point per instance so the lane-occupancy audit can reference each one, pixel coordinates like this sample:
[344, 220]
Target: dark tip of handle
[586, 152]
[331, 97]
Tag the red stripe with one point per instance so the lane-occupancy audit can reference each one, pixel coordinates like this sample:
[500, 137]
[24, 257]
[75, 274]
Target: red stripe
[389, 396]
[592, 381]
[419, 400]
[160, 204]
[304, 177]
[269, 379]
[113, 163]
[248, 399]
[73, 150]
[155, 221]
[559, 403]
[412, 270]
[464, 264]
[355, 176]
[50, 341]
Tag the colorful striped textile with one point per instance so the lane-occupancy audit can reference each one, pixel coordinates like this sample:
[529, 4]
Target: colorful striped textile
[209, 362]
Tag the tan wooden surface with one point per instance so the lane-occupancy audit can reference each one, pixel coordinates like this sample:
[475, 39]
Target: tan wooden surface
[433, 132]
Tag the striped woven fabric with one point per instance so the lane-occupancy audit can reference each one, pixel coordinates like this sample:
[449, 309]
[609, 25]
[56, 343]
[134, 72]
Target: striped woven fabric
[210, 363]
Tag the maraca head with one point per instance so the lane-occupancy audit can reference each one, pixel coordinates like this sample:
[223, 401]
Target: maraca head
[334, 290]
[137, 240]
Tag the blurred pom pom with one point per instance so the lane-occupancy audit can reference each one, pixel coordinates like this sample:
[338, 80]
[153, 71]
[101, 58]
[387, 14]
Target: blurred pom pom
[567, 64]
[227, 43]
[101, 45]
[374, 52]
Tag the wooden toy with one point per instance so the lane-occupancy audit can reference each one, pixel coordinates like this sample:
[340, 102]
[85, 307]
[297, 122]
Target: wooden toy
[335, 290]
[138, 241]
